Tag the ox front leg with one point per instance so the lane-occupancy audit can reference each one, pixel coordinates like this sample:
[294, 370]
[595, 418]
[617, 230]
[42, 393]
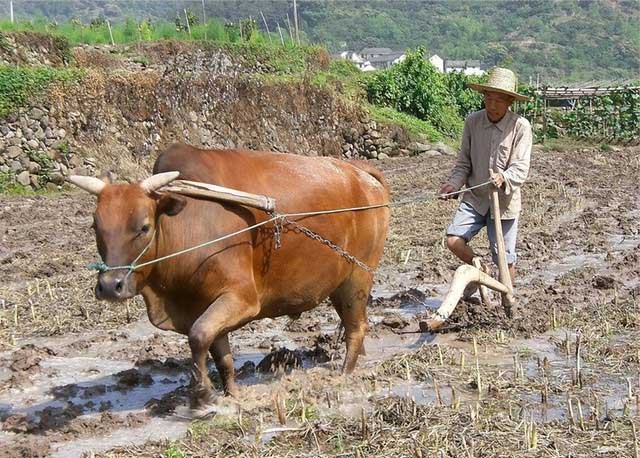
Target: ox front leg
[227, 312]
[221, 353]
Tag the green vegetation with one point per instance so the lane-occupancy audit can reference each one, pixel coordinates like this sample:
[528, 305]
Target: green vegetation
[610, 118]
[9, 186]
[415, 87]
[412, 124]
[569, 40]
[614, 117]
[96, 30]
[174, 451]
[560, 41]
[20, 84]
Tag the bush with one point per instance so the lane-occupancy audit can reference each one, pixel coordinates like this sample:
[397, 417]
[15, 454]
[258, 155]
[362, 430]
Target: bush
[414, 86]
[467, 99]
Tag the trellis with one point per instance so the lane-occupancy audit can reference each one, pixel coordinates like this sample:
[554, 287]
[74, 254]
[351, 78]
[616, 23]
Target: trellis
[545, 99]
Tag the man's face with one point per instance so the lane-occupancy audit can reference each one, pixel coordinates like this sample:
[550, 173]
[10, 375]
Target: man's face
[497, 105]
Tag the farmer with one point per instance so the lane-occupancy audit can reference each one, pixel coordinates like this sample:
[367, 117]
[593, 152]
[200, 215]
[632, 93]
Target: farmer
[496, 146]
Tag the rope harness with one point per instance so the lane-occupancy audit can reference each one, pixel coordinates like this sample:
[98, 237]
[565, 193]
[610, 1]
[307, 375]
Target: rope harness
[281, 220]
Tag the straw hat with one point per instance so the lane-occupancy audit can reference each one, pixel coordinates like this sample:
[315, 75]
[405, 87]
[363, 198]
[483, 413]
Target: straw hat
[501, 80]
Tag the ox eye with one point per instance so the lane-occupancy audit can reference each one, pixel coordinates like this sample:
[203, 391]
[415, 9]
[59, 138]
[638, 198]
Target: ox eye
[146, 228]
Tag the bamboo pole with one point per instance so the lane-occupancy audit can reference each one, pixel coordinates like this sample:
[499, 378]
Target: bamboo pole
[186, 17]
[295, 20]
[110, 33]
[280, 32]
[289, 27]
[204, 21]
[266, 26]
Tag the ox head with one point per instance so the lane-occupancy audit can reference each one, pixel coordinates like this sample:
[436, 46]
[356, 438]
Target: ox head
[125, 223]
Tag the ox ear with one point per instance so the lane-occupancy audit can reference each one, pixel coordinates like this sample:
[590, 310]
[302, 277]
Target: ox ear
[169, 203]
[108, 176]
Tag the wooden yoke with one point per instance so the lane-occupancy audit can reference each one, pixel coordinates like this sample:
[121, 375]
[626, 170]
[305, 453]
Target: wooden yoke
[503, 268]
[214, 192]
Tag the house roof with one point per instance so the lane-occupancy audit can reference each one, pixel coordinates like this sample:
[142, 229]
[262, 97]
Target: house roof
[386, 58]
[376, 51]
[461, 63]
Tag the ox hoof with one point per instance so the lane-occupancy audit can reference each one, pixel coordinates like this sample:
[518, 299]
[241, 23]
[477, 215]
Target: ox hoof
[204, 411]
[201, 397]
[232, 391]
[430, 325]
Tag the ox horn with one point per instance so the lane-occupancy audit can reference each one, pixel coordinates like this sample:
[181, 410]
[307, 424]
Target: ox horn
[89, 184]
[159, 180]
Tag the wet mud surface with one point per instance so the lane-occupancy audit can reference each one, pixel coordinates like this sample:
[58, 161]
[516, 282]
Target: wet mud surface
[83, 378]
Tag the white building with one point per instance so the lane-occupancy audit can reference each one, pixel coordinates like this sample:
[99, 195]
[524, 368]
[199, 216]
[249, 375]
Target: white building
[437, 62]
[468, 67]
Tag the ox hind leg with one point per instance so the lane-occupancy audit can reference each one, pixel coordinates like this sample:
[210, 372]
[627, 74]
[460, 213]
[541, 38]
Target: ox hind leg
[350, 301]
[221, 353]
[228, 312]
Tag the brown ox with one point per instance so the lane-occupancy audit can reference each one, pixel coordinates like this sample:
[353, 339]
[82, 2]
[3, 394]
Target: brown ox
[209, 292]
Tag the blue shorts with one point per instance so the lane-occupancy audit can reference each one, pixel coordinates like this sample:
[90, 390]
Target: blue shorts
[467, 222]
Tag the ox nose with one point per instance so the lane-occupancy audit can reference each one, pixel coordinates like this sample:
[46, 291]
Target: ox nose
[111, 285]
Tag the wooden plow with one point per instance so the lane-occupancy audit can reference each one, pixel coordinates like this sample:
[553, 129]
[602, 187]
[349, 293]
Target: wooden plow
[466, 274]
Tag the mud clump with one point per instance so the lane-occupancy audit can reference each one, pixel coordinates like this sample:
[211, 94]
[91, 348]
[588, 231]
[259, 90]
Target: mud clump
[167, 404]
[246, 370]
[25, 363]
[131, 378]
[27, 446]
[394, 321]
[603, 282]
[280, 360]
[28, 357]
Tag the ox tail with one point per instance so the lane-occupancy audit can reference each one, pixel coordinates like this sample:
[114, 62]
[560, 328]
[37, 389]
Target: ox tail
[371, 170]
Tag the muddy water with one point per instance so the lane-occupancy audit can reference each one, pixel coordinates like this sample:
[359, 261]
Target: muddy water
[90, 377]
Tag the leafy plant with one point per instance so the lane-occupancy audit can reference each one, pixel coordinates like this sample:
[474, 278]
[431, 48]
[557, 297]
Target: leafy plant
[20, 84]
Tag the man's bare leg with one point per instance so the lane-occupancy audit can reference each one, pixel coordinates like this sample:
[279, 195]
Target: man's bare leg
[460, 248]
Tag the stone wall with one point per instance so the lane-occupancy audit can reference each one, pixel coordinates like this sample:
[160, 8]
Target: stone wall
[120, 118]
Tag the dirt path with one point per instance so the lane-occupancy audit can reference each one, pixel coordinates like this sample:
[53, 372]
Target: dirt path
[79, 376]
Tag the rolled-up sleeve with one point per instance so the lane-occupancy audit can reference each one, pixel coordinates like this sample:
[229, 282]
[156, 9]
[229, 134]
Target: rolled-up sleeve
[462, 168]
[518, 170]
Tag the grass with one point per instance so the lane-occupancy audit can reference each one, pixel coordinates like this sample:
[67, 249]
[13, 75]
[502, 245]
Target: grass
[9, 186]
[19, 85]
[566, 144]
[412, 124]
[132, 31]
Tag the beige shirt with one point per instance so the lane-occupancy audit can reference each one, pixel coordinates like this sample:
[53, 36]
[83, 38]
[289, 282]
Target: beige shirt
[505, 147]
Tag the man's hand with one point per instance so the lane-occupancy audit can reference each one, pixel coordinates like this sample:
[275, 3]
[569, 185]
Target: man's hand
[447, 189]
[497, 179]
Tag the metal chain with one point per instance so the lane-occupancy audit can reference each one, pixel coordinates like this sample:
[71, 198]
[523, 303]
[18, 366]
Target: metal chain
[338, 249]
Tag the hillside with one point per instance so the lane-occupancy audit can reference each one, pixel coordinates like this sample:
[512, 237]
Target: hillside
[559, 41]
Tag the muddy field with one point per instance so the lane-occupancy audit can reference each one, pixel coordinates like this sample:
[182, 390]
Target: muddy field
[82, 378]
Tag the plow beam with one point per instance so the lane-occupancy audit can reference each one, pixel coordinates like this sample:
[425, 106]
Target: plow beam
[464, 275]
